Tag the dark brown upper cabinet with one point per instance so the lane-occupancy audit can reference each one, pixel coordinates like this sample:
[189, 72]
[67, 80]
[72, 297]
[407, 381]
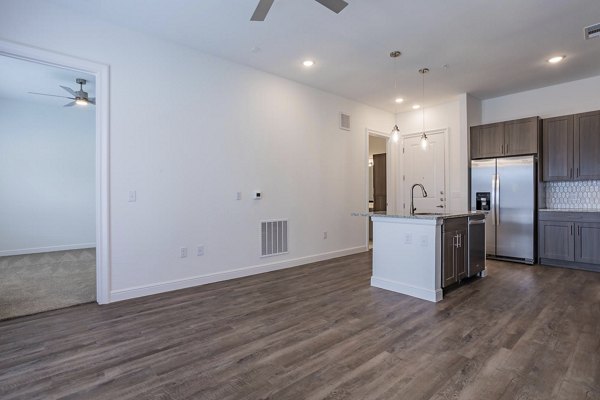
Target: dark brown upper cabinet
[571, 147]
[487, 141]
[557, 145]
[587, 145]
[521, 136]
[510, 138]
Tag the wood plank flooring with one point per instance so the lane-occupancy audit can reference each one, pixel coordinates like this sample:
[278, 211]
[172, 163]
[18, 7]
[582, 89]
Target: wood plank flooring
[319, 332]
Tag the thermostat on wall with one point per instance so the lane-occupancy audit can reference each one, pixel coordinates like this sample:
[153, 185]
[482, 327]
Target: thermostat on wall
[257, 195]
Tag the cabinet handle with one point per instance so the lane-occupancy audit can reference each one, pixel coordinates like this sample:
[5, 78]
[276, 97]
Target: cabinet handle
[502, 149]
[571, 172]
[571, 230]
[578, 172]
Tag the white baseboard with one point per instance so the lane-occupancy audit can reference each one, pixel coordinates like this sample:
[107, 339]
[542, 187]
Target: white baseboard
[398, 287]
[34, 250]
[161, 287]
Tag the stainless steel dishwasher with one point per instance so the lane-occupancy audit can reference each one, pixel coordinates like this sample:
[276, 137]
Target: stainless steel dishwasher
[476, 249]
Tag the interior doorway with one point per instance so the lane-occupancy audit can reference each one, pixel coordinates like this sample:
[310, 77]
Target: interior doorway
[47, 174]
[425, 165]
[66, 177]
[378, 178]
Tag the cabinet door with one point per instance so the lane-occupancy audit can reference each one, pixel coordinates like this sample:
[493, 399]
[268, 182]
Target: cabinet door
[557, 240]
[448, 260]
[587, 145]
[487, 141]
[521, 137]
[557, 148]
[461, 255]
[587, 242]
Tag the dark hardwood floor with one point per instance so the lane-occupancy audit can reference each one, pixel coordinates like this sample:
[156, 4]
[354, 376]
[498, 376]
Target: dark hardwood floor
[319, 332]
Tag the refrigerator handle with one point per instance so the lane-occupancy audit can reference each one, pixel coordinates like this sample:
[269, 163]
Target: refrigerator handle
[493, 209]
[497, 199]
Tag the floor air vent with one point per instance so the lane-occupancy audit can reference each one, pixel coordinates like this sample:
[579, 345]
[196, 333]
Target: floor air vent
[592, 31]
[273, 237]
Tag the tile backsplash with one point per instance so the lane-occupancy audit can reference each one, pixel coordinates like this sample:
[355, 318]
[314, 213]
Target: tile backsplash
[579, 194]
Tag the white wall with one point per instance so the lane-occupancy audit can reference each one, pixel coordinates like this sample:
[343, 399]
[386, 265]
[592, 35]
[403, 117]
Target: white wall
[551, 101]
[47, 172]
[443, 116]
[198, 130]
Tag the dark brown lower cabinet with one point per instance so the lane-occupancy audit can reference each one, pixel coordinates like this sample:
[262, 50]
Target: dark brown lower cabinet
[455, 245]
[570, 239]
[587, 242]
[556, 240]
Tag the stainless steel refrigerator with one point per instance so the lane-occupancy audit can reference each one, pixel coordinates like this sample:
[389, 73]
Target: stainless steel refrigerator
[504, 188]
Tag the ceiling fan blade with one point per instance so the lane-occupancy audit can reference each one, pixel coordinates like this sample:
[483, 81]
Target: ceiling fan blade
[71, 104]
[68, 89]
[334, 5]
[92, 100]
[262, 9]
[51, 95]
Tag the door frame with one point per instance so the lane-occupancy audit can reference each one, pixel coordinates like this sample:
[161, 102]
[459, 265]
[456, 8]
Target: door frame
[390, 171]
[101, 72]
[447, 196]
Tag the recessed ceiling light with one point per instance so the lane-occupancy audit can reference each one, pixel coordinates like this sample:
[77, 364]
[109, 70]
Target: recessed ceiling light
[556, 59]
[416, 107]
[308, 63]
[399, 100]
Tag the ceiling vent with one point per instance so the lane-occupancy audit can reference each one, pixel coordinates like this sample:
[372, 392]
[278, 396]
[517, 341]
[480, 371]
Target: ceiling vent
[592, 31]
[344, 121]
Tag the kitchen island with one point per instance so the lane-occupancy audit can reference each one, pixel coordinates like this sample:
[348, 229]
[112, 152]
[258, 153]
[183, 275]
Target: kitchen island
[410, 252]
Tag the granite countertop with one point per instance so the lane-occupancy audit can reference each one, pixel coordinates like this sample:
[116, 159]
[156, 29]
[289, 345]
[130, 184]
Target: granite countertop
[587, 210]
[427, 216]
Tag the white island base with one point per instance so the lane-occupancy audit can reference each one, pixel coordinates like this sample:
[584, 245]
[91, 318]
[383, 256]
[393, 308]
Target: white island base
[407, 255]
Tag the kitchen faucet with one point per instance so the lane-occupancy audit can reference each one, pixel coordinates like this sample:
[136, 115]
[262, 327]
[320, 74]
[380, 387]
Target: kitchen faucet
[412, 197]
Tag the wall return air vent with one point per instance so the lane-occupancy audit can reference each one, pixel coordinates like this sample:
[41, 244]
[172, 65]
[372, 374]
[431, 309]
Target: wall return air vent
[592, 31]
[345, 121]
[273, 237]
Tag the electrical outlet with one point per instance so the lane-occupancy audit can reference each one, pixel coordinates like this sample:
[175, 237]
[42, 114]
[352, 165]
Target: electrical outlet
[200, 250]
[324, 235]
[238, 196]
[183, 252]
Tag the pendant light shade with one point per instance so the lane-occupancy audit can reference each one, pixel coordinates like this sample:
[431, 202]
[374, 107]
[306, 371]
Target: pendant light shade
[424, 138]
[395, 133]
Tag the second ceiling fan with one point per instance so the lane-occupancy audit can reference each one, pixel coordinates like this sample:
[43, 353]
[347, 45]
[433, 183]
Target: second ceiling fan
[265, 5]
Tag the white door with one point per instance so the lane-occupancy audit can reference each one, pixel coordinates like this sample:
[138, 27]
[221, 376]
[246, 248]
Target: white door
[427, 167]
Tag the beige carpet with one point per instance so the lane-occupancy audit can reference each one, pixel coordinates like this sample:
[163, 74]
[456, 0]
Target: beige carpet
[46, 281]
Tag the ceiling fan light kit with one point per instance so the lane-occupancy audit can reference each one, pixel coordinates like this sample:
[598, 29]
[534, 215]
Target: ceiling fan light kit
[80, 97]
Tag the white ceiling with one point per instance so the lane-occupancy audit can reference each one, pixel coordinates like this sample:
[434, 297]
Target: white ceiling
[492, 47]
[20, 77]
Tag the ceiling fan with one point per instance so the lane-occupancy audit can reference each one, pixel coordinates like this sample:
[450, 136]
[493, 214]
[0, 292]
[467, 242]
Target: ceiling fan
[265, 5]
[79, 97]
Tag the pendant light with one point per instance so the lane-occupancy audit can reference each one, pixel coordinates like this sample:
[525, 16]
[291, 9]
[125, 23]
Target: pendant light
[395, 131]
[424, 138]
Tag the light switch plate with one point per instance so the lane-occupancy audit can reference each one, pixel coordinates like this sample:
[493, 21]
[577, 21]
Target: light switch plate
[132, 196]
